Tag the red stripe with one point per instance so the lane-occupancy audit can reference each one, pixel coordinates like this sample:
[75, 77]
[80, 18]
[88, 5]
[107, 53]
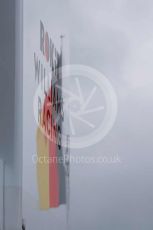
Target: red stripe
[53, 174]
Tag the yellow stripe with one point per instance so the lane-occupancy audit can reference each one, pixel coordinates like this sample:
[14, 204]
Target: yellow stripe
[43, 170]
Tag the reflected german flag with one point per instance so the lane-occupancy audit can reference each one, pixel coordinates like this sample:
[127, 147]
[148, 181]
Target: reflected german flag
[50, 170]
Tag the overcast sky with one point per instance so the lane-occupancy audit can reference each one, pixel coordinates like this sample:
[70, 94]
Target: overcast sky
[116, 37]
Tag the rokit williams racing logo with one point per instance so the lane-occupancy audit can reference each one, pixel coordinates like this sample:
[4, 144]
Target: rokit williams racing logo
[89, 103]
